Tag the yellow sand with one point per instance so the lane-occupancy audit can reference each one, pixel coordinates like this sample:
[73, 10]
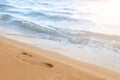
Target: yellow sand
[20, 61]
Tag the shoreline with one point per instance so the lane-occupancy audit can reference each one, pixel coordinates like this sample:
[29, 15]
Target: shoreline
[88, 71]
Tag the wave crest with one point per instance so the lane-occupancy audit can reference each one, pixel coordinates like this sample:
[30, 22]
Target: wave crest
[5, 17]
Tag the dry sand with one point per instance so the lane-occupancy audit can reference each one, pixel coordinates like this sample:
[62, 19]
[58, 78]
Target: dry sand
[20, 61]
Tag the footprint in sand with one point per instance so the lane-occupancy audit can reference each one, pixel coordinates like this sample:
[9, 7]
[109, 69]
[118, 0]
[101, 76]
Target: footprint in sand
[29, 58]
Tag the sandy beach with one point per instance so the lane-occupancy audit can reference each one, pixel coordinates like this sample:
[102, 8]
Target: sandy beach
[19, 61]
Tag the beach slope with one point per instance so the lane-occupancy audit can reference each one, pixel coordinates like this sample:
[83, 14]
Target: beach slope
[19, 61]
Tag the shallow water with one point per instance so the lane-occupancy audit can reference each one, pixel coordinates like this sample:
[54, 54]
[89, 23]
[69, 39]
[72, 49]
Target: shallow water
[86, 30]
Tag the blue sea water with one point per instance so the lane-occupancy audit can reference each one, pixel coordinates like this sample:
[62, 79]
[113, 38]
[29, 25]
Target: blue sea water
[86, 30]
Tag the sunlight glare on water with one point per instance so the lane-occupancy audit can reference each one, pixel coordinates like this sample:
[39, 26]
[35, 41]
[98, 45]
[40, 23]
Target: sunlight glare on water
[104, 14]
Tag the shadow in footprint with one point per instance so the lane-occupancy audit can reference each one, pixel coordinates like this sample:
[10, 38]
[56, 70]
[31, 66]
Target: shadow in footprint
[48, 65]
[24, 53]
[28, 58]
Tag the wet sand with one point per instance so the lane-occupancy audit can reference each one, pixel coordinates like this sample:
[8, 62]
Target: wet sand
[19, 61]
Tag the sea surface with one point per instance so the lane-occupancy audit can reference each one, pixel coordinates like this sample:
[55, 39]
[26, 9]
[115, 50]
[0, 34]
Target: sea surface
[86, 30]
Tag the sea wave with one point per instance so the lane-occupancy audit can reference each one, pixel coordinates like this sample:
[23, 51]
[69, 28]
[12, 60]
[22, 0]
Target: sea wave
[55, 16]
[5, 6]
[78, 37]
[38, 28]
[27, 21]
